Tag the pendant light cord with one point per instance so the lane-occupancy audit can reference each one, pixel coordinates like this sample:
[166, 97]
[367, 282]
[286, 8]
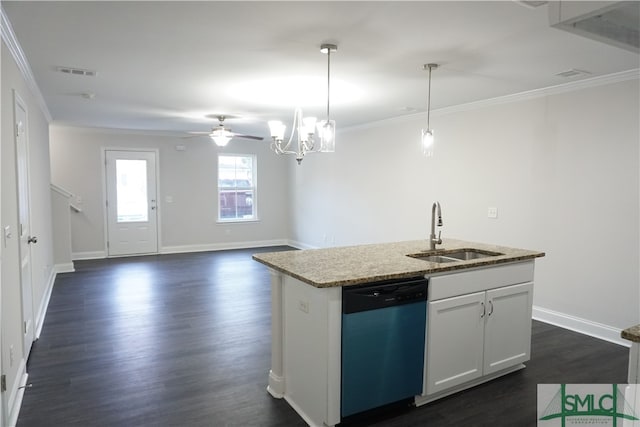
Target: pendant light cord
[429, 101]
[328, 80]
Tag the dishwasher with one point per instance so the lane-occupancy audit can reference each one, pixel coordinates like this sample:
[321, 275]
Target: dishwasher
[383, 343]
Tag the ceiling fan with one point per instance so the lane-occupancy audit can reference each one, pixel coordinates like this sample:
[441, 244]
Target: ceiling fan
[221, 135]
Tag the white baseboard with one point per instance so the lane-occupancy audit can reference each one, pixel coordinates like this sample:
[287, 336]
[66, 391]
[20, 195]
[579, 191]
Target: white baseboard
[66, 267]
[577, 324]
[221, 246]
[44, 303]
[300, 245]
[14, 402]
[88, 255]
[193, 248]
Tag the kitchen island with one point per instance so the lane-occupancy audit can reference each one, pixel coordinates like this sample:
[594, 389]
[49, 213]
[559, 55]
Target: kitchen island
[307, 288]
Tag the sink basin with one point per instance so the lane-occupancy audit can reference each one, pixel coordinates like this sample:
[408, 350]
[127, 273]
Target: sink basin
[454, 255]
[434, 258]
[467, 254]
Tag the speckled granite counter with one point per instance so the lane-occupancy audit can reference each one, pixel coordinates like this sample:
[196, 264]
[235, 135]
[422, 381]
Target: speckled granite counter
[352, 265]
[632, 334]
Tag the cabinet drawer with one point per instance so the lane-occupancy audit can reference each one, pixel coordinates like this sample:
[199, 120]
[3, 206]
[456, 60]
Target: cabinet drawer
[491, 277]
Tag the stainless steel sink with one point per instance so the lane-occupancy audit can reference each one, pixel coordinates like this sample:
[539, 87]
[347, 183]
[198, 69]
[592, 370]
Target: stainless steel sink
[434, 258]
[454, 255]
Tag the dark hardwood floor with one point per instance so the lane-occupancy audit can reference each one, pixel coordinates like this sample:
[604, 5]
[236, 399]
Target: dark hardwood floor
[184, 340]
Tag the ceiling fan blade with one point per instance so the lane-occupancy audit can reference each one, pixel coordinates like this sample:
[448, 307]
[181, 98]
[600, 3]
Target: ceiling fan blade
[195, 135]
[257, 138]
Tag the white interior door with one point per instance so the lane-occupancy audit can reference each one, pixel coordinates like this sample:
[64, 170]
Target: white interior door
[24, 222]
[132, 214]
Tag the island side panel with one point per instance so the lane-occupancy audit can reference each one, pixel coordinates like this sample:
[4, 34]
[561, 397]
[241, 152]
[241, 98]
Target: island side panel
[634, 363]
[311, 352]
[276, 378]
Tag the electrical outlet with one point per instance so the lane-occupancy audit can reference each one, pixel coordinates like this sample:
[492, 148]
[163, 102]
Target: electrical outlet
[492, 212]
[303, 306]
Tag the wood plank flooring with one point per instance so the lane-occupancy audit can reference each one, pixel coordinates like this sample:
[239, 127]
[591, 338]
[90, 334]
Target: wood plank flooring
[184, 340]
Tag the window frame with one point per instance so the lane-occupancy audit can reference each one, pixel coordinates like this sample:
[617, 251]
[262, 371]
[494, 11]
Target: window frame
[253, 189]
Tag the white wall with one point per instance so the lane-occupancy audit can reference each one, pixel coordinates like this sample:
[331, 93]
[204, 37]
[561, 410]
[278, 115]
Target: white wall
[562, 169]
[42, 252]
[188, 177]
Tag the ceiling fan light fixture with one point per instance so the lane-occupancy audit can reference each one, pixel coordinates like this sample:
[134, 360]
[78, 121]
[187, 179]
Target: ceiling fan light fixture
[221, 137]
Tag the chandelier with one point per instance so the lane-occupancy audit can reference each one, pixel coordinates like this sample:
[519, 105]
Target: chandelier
[427, 134]
[311, 136]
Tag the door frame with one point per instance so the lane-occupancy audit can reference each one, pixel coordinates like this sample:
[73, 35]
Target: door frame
[19, 102]
[105, 215]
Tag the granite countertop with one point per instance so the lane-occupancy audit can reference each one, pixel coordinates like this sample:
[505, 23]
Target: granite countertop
[632, 333]
[353, 265]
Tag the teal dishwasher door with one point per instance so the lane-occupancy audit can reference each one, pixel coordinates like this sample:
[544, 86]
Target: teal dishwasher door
[382, 356]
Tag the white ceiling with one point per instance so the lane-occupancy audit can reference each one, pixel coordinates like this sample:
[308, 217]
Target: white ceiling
[165, 66]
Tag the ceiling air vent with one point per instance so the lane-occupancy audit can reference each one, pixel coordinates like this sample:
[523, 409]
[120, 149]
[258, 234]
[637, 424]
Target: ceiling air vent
[77, 71]
[573, 73]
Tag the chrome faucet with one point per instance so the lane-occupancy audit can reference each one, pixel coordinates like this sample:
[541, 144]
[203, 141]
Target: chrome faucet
[432, 238]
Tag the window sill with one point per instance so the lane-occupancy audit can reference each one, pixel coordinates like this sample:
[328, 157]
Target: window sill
[236, 220]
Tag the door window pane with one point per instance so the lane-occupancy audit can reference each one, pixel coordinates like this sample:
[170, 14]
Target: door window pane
[236, 188]
[131, 184]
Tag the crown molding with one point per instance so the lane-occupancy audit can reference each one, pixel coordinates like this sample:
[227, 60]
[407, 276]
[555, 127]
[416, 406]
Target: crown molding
[592, 82]
[9, 38]
[546, 91]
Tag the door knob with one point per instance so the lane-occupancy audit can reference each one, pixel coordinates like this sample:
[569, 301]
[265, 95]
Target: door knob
[32, 239]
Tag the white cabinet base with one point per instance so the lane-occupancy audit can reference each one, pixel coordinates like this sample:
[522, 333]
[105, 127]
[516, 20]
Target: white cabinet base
[421, 400]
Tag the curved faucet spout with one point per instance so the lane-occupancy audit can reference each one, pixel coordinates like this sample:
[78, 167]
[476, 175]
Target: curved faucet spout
[433, 241]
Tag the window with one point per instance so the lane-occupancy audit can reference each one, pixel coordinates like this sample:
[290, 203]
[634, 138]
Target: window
[237, 188]
[131, 182]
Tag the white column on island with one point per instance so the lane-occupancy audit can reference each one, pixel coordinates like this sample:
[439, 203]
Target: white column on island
[634, 363]
[276, 377]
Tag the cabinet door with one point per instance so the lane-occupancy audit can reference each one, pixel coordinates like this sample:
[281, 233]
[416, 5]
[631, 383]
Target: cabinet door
[507, 337]
[454, 341]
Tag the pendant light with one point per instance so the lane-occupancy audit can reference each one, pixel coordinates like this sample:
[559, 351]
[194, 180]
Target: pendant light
[306, 127]
[427, 134]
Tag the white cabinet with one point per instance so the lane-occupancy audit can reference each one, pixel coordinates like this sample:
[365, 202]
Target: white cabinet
[454, 341]
[480, 333]
[507, 333]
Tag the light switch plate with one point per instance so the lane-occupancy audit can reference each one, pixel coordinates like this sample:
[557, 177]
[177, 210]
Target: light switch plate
[492, 212]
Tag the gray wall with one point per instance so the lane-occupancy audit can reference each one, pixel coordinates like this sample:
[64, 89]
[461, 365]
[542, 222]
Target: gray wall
[561, 167]
[189, 177]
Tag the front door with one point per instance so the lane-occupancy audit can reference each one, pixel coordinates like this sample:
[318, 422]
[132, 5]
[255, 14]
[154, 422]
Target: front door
[131, 203]
[24, 222]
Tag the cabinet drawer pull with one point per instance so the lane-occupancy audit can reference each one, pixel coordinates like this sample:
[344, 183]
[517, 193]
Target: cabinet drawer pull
[490, 308]
[483, 310]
